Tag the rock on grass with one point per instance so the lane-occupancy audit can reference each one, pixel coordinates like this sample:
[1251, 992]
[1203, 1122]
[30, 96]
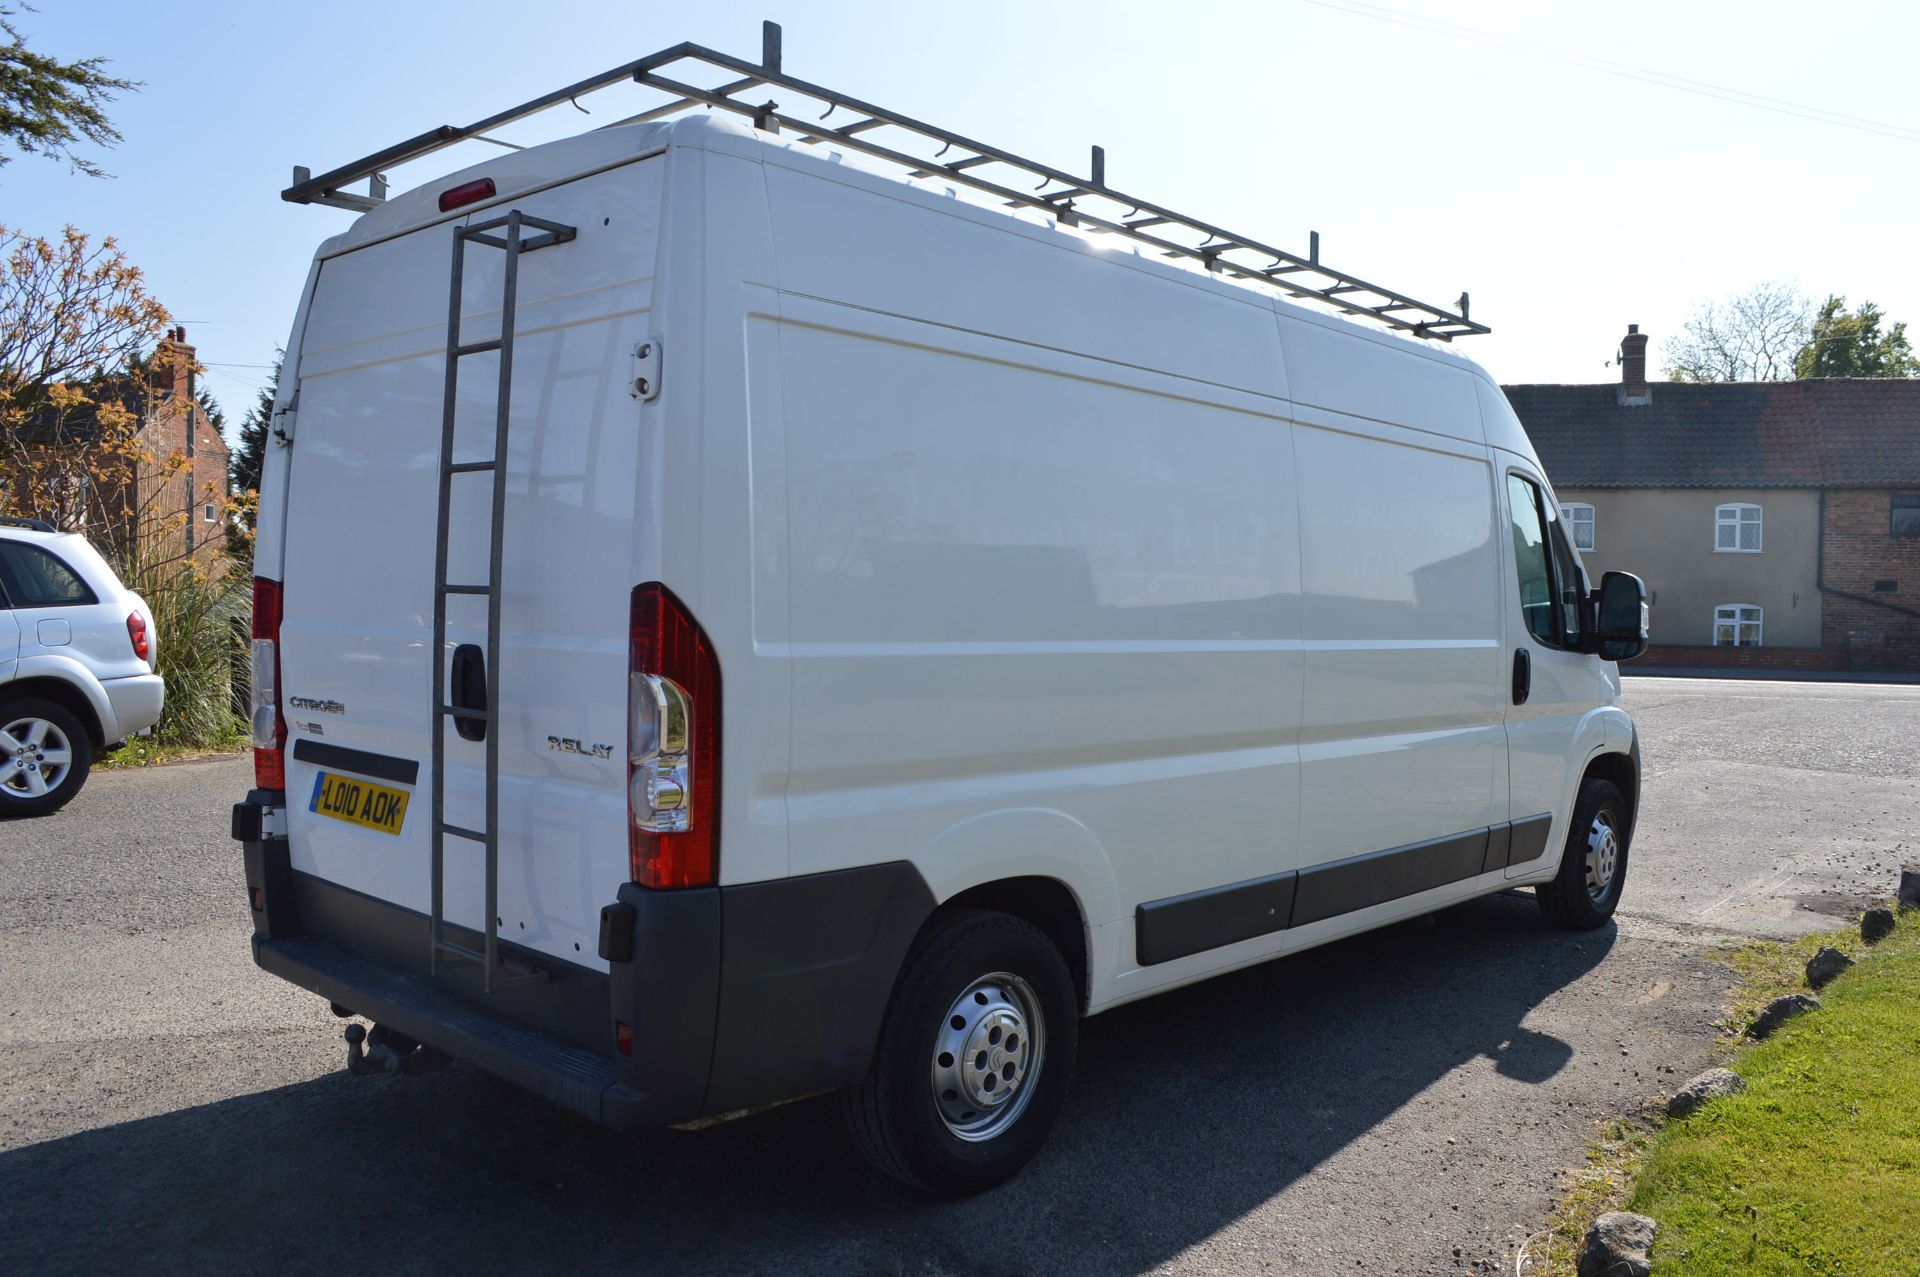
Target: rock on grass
[1710, 1085]
[1823, 966]
[1779, 1011]
[1910, 886]
[1876, 924]
[1617, 1246]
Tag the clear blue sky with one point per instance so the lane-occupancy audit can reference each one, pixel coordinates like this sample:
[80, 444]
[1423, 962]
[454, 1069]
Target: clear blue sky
[1477, 145]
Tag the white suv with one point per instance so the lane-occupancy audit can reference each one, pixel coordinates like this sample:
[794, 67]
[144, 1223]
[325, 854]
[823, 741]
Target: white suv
[76, 665]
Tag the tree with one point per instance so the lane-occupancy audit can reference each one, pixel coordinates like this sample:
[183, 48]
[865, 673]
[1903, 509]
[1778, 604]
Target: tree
[47, 106]
[74, 384]
[243, 466]
[1751, 336]
[1843, 345]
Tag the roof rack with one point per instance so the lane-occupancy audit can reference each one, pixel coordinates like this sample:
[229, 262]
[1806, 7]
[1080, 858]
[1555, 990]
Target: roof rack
[36, 525]
[922, 150]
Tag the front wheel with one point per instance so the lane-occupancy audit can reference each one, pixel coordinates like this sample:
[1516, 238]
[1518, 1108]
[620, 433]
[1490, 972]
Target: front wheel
[44, 757]
[973, 1059]
[1593, 868]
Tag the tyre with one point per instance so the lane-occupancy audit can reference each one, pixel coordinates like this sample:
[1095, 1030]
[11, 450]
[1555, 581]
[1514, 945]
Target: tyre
[45, 754]
[1593, 868]
[971, 1068]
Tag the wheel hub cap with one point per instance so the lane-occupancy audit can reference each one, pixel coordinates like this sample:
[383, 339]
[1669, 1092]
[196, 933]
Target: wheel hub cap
[986, 1055]
[34, 758]
[1603, 856]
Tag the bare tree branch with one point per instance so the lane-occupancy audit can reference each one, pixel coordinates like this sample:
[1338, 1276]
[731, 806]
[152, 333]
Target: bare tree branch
[1751, 336]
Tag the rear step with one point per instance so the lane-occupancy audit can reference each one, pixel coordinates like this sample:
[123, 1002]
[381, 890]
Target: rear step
[573, 1077]
[445, 952]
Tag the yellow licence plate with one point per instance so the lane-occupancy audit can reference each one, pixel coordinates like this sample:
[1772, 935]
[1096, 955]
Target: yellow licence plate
[359, 802]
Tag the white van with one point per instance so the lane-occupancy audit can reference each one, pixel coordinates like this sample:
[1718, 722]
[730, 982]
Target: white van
[901, 627]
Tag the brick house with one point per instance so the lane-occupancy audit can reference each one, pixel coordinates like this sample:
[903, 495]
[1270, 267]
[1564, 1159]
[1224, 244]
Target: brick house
[186, 502]
[176, 425]
[1777, 524]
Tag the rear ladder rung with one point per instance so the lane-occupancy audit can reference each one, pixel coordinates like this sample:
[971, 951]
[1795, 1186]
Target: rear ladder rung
[477, 347]
[468, 467]
[471, 715]
[460, 831]
[447, 588]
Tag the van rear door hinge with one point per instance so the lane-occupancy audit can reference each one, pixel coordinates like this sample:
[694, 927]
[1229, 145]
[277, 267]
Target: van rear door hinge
[283, 420]
[645, 367]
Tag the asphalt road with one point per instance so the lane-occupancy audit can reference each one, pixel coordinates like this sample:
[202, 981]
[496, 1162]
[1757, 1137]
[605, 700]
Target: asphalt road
[1367, 1107]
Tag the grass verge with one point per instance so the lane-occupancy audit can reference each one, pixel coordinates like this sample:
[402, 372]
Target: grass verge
[1814, 1169]
[145, 751]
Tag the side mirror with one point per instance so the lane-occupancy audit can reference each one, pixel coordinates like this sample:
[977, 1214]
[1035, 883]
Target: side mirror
[1620, 616]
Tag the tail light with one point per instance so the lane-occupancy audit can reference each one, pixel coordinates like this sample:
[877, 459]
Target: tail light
[673, 745]
[137, 632]
[466, 193]
[269, 728]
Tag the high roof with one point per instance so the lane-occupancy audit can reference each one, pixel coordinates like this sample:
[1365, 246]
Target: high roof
[1829, 433]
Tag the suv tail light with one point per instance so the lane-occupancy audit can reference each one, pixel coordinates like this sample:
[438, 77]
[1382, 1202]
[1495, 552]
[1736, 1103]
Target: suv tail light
[269, 728]
[137, 632]
[673, 745]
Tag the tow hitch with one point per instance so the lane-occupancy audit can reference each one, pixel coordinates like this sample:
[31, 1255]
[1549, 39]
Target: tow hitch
[384, 1051]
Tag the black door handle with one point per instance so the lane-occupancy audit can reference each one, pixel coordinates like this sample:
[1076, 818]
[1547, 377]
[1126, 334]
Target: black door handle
[470, 689]
[1522, 675]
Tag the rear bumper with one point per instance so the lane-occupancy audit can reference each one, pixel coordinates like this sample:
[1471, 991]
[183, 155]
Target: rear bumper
[136, 702]
[733, 997]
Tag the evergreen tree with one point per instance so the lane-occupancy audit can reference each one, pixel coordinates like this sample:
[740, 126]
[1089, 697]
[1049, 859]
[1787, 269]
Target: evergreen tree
[1844, 345]
[244, 464]
[48, 107]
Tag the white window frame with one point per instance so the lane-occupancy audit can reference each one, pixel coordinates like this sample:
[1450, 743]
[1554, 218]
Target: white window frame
[1732, 514]
[1577, 515]
[1740, 616]
[207, 513]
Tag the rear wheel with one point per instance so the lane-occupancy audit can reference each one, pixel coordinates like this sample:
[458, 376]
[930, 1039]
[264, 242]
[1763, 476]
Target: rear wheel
[1593, 868]
[973, 1059]
[44, 757]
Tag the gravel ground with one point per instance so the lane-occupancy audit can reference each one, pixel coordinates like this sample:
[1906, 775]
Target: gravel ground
[1400, 1103]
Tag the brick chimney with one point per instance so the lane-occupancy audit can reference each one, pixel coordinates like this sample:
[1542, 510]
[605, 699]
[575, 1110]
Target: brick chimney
[175, 363]
[1633, 368]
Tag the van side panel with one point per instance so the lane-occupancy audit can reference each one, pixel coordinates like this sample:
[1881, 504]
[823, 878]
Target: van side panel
[1402, 740]
[1048, 586]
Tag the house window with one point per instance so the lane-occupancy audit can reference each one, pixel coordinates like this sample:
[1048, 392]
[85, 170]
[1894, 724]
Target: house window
[1906, 515]
[1736, 625]
[1736, 529]
[1578, 516]
[208, 514]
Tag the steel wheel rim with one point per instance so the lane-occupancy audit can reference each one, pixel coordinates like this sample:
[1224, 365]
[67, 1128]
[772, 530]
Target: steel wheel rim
[987, 1057]
[35, 757]
[1603, 857]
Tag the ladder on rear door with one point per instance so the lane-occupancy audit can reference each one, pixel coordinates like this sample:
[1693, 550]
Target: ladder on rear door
[508, 233]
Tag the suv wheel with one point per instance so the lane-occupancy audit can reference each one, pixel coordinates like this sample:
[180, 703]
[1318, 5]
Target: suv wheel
[974, 1054]
[44, 757]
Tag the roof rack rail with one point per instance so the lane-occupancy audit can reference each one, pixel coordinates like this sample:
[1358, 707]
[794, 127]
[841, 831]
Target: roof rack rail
[35, 525]
[1087, 203]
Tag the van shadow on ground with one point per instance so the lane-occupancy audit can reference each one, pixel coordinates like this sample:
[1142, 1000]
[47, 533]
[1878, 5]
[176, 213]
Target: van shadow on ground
[1189, 1111]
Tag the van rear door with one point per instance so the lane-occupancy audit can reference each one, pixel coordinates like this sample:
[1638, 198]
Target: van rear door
[358, 602]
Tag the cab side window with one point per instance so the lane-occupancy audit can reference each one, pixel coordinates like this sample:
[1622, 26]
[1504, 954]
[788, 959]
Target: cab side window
[35, 578]
[1530, 556]
[1569, 586]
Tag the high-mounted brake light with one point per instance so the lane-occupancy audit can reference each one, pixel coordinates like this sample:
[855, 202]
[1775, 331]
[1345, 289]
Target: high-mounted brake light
[673, 745]
[466, 193]
[269, 727]
[137, 632]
